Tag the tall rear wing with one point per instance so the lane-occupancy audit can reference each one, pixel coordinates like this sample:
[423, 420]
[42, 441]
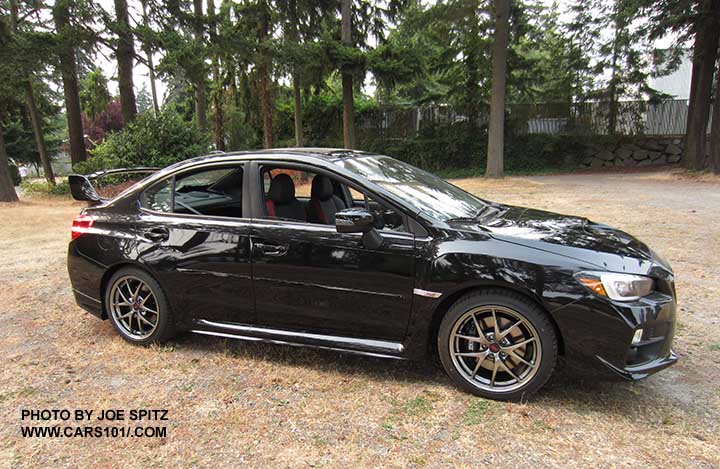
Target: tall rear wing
[82, 187]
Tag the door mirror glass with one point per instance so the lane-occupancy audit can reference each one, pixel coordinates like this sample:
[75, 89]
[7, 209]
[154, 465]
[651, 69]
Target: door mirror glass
[354, 220]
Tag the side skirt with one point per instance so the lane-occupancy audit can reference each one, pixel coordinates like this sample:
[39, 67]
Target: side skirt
[368, 347]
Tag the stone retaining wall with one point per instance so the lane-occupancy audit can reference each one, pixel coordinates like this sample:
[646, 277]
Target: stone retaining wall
[634, 151]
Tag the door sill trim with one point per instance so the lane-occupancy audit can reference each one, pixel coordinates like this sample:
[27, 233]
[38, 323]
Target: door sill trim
[373, 347]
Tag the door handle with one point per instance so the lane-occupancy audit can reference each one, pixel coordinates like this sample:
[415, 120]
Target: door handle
[273, 250]
[157, 234]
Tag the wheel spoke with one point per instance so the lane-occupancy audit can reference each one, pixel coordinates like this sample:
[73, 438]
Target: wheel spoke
[141, 318]
[125, 299]
[145, 298]
[496, 326]
[472, 338]
[477, 326]
[496, 365]
[513, 347]
[123, 316]
[507, 331]
[127, 321]
[508, 370]
[129, 288]
[149, 310]
[520, 359]
[477, 366]
[470, 354]
[137, 290]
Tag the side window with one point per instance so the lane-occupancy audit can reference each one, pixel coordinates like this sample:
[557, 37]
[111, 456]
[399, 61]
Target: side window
[299, 195]
[287, 193]
[214, 192]
[159, 196]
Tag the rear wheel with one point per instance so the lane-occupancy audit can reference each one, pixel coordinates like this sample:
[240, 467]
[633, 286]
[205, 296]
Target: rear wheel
[497, 344]
[137, 307]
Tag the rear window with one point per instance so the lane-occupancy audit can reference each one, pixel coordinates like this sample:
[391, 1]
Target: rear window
[215, 191]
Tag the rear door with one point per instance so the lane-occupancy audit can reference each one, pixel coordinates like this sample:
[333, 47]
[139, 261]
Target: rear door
[309, 277]
[198, 242]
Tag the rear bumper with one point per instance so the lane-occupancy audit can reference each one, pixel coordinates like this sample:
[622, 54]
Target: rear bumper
[89, 304]
[85, 278]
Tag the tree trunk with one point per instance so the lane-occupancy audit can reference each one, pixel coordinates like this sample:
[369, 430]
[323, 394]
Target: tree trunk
[612, 86]
[32, 109]
[148, 54]
[496, 128]
[264, 70]
[218, 91]
[68, 70]
[707, 33]
[200, 85]
[125, 54]
[297, 95]
[297, 100]
[37, 126]
[7, 190]
[347, 79]
[715, 131]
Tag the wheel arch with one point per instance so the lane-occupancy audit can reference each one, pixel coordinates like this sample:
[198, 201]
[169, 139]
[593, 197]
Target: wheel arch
[448, 300]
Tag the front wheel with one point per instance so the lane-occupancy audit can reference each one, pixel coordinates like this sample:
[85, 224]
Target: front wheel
[497, 345]
[137, 307]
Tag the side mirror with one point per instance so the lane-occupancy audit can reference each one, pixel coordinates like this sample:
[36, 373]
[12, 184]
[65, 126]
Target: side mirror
[359, 220]
[354, 220]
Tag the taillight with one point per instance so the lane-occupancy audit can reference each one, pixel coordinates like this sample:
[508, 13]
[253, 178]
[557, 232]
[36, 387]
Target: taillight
[80, 225]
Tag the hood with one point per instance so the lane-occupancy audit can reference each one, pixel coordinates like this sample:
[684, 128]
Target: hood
[570, 236]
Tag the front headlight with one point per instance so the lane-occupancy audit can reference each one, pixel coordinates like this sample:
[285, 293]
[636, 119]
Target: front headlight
[619, 287]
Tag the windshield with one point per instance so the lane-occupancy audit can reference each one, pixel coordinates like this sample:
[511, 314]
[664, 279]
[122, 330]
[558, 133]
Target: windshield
[427, 193]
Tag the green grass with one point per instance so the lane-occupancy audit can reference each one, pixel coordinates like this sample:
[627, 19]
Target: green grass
[541, 425]
[416, 407]
[475, 412]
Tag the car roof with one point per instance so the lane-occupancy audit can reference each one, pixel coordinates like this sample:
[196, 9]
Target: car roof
[326, 154]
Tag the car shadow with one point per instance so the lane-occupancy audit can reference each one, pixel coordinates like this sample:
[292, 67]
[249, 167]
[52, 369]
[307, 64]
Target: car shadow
[573, 387]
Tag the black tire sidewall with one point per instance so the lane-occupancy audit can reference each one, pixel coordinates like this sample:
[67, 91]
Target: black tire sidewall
[530, 311]
[164, 328]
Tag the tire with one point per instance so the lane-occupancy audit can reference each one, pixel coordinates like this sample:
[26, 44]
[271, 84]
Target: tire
[509, 369]
[140, 318]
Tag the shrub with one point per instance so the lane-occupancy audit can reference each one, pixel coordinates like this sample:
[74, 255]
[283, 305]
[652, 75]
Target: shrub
[45, 188]
[148, 141]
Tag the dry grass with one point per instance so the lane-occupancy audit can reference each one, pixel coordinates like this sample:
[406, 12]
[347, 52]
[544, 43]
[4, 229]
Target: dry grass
[235, 403]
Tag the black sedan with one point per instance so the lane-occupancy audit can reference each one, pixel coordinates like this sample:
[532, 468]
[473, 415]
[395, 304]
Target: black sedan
[359, 252]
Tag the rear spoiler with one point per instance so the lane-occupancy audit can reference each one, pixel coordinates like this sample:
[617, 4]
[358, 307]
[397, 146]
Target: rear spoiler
[82, 188]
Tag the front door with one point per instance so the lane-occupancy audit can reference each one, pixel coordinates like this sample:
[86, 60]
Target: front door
[309, 277]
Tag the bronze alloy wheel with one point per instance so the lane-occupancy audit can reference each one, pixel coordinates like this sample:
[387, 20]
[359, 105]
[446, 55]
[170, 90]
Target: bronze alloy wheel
[495, 348]
[137, 307]
[497, 344]
[133, 307]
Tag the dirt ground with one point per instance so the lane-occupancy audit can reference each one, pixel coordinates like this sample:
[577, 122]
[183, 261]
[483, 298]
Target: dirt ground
[233, 403]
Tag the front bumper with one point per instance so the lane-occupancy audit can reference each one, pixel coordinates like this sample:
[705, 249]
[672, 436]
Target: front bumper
[599, 331]
[643, 370]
